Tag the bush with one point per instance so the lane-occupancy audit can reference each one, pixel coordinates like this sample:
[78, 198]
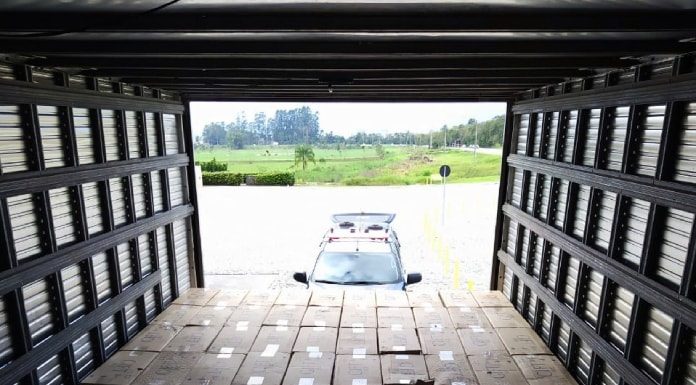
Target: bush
[222, 178]
[213, 166]
[275, 179]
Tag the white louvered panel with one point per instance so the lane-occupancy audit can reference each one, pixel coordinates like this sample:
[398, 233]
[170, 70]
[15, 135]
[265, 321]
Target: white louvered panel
[152, 136]
[127, 89]
[593, 295]
[685, 165]
[37, 302]
[63, 218]
[6, 350]
[553, 136]
[93, 208]
[75, 301]
[546, 324]
[181, 250]
[176, 187]
[650, 136]
[517, 187]
[78, 81]
[13, 154]
[49, 372]
[605, 220]
[626, 76]
[511, 238]
[561, 203]
[537, 248]
[539, 126]
[84, 136]
[102, 276]
[524, 252]
[674, 242]
[563, 340]
[519, 300]
[590, 144]
[171, 133]
[507, 283]
[131, 310]
[690, 365]
[25, 231]
[132, 131]
[125, 264]
[110, 335]
[569, 142]
[42, 76]
[156, 183]
[7, 72]
[111, 139]
[620, 314]
[582, 202]
[584, 360]
[571, 281]
[118, 201]
[554, 258]
[599, 81]
[545, 196]
[609, 376]
[522, 133]
[51, 136]
[138, 187]
[658, 329]
[84, 358]
[631, 247]
[145, 254]
[164, 267]
[531, 192]
[531, 309]
[150, 307]
[105, 85]
[617, 125]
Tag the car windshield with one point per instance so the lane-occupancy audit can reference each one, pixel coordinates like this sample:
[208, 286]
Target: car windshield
[357, 268]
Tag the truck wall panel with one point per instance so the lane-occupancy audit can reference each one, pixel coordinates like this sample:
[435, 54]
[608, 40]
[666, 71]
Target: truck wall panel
[13, 156]
[650, 136]
[685, 164]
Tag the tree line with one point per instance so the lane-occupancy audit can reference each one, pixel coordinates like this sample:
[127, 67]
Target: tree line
[301, 126]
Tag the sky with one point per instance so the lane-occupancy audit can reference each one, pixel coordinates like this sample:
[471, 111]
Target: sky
[347, 119]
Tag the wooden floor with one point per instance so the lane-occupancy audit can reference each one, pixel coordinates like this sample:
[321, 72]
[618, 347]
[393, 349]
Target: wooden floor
[361, 337]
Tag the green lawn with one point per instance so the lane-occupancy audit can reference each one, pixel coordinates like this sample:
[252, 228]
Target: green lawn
[356, 166]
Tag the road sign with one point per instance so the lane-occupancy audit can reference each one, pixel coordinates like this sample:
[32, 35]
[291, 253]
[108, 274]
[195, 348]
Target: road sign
[445, 171]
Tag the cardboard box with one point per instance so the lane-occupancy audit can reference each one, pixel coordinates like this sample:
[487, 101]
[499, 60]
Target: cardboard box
[233, 339]
[248, 315]
[432, 317]
[496, 369]
[422, 298]
[193, 339]
[121, 369]
[328, 297]
[457, 298]
[398, 317]
[398, 340]
[469, 317]
[391, 298]
[543, 370]
[285, 315]
[293, 296]
[493, 298]
[481, 341]
[211, 316]
[153, 338]
[357, 371]
[168, 368]
[357, 341]
[178, 315]
[322, 316]
[214, 369]
[450, 369]
[196, 296]
[258, 369]
[316, 339]
[261, 297]
[310, 368]
[522, 341]
[436, 340]
[358, 317]
[272, 339]
[359, 298]
[402, 369]
[228, 297]
[505, 317]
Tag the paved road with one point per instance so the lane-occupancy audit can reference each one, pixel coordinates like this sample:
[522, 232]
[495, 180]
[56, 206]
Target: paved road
[257, 236]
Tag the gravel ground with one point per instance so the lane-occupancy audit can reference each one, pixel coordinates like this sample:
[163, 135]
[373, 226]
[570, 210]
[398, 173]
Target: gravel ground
[258, 236]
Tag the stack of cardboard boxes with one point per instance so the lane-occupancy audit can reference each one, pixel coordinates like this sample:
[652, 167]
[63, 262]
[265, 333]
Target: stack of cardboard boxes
[361, 337]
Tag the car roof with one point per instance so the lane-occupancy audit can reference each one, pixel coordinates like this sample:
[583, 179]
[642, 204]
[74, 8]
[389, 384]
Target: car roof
[360, 246]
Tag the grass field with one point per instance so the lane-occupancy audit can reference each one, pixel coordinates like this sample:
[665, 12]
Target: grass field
[356, 166]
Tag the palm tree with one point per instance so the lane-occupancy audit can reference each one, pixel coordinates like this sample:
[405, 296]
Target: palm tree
[304, 154]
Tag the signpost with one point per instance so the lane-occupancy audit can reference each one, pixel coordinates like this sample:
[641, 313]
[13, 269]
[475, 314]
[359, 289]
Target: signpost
[445, 171]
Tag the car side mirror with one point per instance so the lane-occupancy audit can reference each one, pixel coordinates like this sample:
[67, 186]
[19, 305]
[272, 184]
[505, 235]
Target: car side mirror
[412, 278]
[300, 277]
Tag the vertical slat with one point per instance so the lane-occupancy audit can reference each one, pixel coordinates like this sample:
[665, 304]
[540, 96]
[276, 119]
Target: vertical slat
[193, 196]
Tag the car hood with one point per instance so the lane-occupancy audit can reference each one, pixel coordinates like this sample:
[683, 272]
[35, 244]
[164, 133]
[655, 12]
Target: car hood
[389, 286]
